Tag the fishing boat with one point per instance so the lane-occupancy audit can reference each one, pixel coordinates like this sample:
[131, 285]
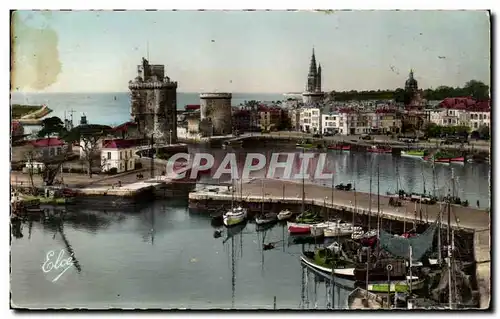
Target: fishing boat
[326, 261]
[413, 153]
[380, 149]
[339, 147]
[304, 145]
[298, 228]
[339, 229]
[378, 271]
[394, 285]
[285, 214]
[361, 299]
[235, 216]
[442, 160]
[266, 218]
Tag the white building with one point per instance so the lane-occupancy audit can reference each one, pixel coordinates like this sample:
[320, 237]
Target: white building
[462, 117]
[477, 119]
[310, 120]
[118, 154]
[330, 123]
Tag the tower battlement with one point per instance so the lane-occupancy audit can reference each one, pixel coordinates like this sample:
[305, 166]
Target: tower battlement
[153, 102]
[214, 95]
[135, 85]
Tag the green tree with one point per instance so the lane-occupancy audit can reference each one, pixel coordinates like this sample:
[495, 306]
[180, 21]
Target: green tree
[484, 132]
[52, 126]
[88, 136]
[477, 89]
[432, 130]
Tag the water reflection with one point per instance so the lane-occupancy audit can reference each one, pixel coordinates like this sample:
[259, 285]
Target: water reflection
[410, 174]
[322, 291]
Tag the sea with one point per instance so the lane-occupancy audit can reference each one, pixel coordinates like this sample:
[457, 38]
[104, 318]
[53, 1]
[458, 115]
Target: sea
[112, 108]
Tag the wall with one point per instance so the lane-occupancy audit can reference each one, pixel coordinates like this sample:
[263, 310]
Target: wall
[124, 163]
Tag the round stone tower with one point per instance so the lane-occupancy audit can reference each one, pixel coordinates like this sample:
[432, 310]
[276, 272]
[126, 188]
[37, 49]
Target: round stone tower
[216, 109]
[153, 102]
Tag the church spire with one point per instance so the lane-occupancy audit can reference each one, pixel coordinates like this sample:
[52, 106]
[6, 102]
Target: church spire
[312, 65]
[318, 78]
[312, 76]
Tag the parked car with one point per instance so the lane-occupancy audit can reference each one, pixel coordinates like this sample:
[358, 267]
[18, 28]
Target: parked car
[365, 137]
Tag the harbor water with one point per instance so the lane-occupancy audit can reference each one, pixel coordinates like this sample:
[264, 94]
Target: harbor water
[163, 256]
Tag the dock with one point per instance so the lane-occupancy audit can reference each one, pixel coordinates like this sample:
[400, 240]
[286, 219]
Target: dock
[290, 193]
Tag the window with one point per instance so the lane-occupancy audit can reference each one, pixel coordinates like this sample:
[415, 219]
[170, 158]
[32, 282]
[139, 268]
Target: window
[120, 155]
[52, 151]
[109, 155]
[130, 153]
[59, 151]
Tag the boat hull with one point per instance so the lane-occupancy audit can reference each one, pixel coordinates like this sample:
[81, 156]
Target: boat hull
[296, 228]
[347, 273]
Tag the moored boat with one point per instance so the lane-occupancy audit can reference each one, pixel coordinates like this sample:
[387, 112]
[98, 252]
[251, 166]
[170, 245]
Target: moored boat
[235, 216]
[380, 149]
[413, 153]
[298, 228]
[394, 286]
[326, 261]
[266, 218]
[285, 214]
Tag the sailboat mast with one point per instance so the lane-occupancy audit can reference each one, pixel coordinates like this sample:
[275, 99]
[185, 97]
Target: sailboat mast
[378, 207]
[370, 199]
[303, 182]
[262, 205]
[333, 184]
[232, 194]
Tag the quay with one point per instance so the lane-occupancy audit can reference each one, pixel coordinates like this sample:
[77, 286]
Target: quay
[273, 191]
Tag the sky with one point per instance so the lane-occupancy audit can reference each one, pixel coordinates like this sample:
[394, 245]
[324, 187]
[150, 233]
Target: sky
[255, 52]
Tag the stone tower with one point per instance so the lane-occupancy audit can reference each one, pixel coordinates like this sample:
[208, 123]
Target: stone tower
[153, 100]
[313, 92]
[216, 110]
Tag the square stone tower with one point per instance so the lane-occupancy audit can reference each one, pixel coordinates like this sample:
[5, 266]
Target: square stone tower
[153, 102]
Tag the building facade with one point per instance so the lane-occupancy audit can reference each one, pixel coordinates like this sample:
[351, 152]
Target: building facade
[154, 102]
[118, 154]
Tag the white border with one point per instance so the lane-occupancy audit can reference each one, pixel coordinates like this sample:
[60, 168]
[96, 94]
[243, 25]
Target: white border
[185, 4]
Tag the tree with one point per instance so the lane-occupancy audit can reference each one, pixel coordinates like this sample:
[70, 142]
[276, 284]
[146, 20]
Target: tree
[88, 136]
[52, 126]
[478, 90]
[484, 132]
[432, 130]
[51, 164]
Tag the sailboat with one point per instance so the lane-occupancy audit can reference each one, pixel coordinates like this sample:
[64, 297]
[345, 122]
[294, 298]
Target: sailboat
[285, 214]
[265, 218]
[236, 215]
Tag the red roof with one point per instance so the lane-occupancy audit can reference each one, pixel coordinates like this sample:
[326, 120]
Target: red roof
[465, 103]
[51, 141]
[15, 125]
[119, 143]
[192, 107]
[125, 126]
[346, 110]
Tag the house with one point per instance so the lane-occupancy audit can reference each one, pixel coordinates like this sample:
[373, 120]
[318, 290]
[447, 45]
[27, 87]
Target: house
[119, 154]
[330, 123]
[310, 120]
[51, 146]
[16, 129]
[269, 118]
